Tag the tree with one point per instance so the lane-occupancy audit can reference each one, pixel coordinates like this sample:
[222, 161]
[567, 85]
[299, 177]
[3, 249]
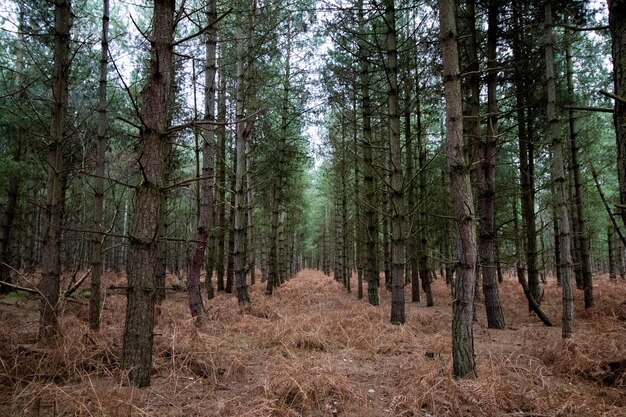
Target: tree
[617, 25]
[371, 221]
[395, 162]
[206, 185]
[462, 198]
[558, 174]
[57, 175]
[98, 188]
[16, 145]
[487, 197]
[145, 232]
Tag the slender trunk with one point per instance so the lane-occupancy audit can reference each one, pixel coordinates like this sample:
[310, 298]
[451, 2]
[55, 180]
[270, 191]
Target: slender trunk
[617, 26]
[358, 221]
[220, 195]
[425, 270]
[239, 255]
[197, 253]
[55, 199]
[397, 178]
[583, 234]
[371, 220]
[139, 325]
[487, 236]
[526, 155]
[272, 277]
[611, 243]
[559, 177]
[98, 187]
[462, 198]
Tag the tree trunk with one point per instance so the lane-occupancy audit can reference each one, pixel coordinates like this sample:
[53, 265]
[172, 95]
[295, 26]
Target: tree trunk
[526, 153]
[220, 195]
[239, 255]
[487, 198]
[611, 243]
[55, 199]
[581, 235]
[559, 178]
[617, 26]
[425, 269]
[371, 220]
[137, 348]
[397, 179]
[461, 190]
[196, 255]
[230, 263]
[98, 187]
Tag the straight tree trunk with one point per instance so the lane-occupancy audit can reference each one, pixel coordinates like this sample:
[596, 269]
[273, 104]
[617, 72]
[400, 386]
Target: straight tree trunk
[412, 221]
[581, 234]
[487, 198]
[371, 220]
[239, 255]
[197, 253]
[220, 195]
[612, 253]
[425, 270]
[55, 199]
[617, 27]
[526, 154]
[13, 186]
[397, 179]
[230, 262]
[139, 325]
[559, 178]
[461, 189]
[98, 187]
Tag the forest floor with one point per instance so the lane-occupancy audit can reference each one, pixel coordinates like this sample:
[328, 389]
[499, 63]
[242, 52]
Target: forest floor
[312, 349]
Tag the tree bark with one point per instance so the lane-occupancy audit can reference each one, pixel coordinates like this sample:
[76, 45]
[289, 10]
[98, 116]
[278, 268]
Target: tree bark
[196, 256]
[145, 233]
[462, 198]
[371, 220]
[617, 27]
[559, 178]
[239, 255]
[98, 187]
[55, 199]
[220, 195]
[395, 160]
[582, 234]
[526, 153]
[13, 181]
[487, 198]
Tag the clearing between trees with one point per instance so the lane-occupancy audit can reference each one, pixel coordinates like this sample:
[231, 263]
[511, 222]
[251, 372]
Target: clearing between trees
[312, 349]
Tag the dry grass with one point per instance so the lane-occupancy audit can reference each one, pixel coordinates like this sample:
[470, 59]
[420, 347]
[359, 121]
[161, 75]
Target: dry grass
[314, 350]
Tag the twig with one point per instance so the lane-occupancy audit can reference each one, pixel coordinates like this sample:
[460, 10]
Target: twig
[19, 288]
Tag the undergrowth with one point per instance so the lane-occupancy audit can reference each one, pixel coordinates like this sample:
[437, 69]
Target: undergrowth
[314, 350]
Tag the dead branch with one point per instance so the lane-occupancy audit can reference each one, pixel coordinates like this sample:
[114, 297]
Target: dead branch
[19, 288]
[533, 303]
